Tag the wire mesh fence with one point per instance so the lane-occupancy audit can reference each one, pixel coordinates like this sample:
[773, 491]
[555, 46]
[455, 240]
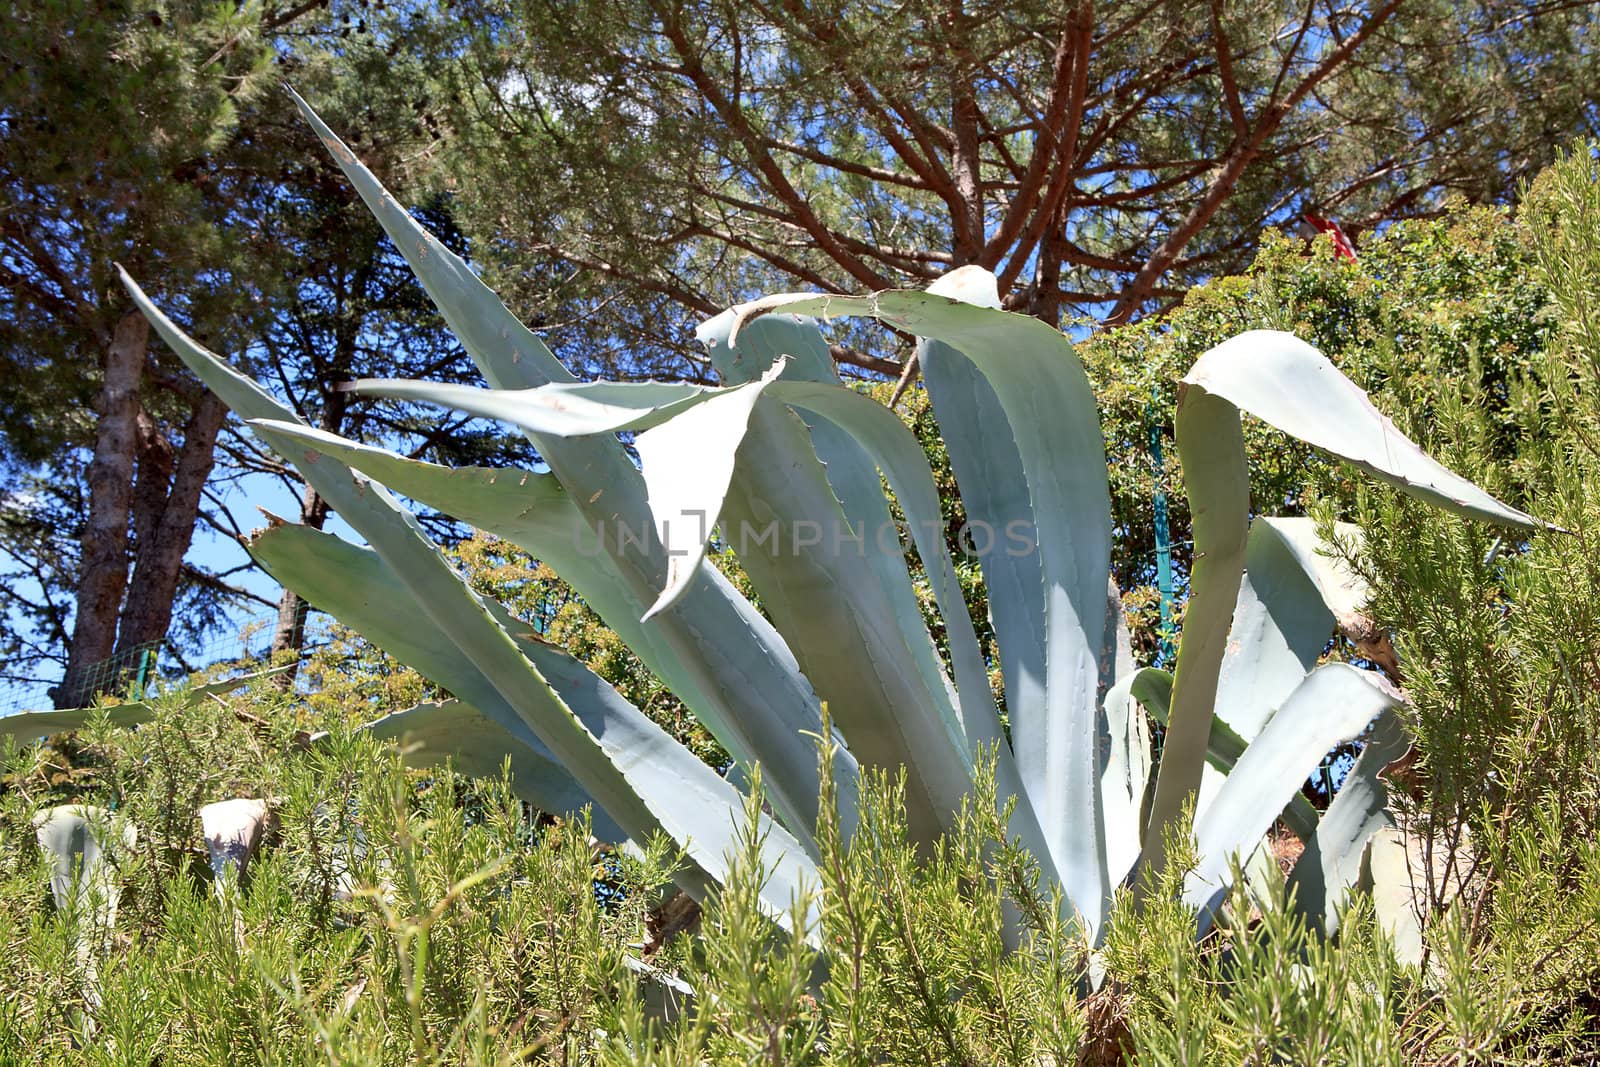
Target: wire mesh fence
[134, 673]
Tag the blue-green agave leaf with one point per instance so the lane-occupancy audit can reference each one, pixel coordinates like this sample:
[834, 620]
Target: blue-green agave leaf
[1052, 416]
[1331, 864]
[1333, 705]
[36, 724]
[753, 697]
[1288, 384]
[1282, 620]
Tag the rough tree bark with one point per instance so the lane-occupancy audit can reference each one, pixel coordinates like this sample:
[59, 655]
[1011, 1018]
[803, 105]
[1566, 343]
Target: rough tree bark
[167, 503]
[105, 537]
[139, 479]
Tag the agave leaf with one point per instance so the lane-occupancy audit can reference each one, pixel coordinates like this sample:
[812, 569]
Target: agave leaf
[687, 450]
[1211, 444]
[1333, 705]
[29, 725]
[788, 526]
[1282, 620]
[686, 799]
[1331, 863]
[688, 469]
[752, 651]
[695, 807]
[1340, 589]
[1288, 384]
[1412, 874]
[685, 498]
[750, 692]
[855, 438]
[1052, 417]
[888, 446]
[535, 513]
[35, 724]
[1397, 877]
[794, 339]
[561, 409]
[349, 584]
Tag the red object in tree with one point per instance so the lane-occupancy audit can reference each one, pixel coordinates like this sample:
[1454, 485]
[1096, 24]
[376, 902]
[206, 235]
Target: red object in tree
[1341, 244]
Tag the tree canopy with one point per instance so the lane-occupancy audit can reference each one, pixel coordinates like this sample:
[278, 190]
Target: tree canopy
[1100, 158]
[159, 140]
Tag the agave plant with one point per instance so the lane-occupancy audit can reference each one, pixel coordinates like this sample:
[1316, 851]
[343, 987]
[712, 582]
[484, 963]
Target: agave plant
[233, 831]
[789, 463]
[31, 725]
[84, 846]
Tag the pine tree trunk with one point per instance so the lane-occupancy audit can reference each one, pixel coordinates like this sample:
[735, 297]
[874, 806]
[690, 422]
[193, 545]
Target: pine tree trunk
[290, 635]
[1046, 302]
[104, 566]
[167, 504]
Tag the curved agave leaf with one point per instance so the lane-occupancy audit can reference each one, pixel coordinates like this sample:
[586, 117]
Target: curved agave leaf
[350, 584]
[783, 692]
[1288, 384]
[1340, 589]
[1333, 705]
[564, 410]
[689, 465]
[684, 499]
[36, 724]
[746, 685]
[1041, 390]
[1331, 863]
[1285, 382]
[684, 798]
[1282, 620]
